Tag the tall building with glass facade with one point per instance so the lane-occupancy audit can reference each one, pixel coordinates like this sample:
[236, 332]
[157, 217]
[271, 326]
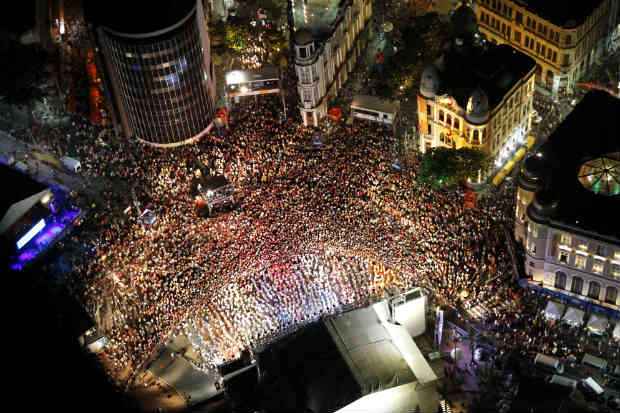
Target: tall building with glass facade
[158, 71]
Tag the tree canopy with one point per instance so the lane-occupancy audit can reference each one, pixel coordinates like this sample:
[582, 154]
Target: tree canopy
[445, 167]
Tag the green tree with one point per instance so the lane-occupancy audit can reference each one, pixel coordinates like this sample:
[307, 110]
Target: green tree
[445, 167]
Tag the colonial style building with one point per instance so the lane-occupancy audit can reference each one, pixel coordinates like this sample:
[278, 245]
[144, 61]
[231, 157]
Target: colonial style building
[330, 36]
[568, 205]
[564, 38]
[476, 94]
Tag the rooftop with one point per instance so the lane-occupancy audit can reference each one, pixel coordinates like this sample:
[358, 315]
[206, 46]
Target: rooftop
[316, 15]
[376, 103]
[494, 69]
[137, 16]
[563, 201]
[22, 186]
[570, 14]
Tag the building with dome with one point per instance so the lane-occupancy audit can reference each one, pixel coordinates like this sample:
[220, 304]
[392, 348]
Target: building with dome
[157, 71]
[568, 205]
[565, 39]
[476, 95]
[329, 37]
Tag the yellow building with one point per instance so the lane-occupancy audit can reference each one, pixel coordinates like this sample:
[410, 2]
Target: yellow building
[565, 38]
[476, 94]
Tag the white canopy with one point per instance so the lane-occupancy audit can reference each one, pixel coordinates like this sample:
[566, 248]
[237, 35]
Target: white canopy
[574, 316]
[554, 310]
[616, 333]
[598, 324]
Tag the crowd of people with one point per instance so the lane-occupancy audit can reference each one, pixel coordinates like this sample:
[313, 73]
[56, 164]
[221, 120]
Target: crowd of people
[315, 230]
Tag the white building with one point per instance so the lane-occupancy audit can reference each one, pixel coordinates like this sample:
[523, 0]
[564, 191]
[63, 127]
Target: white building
[330, 35]
[568, 205]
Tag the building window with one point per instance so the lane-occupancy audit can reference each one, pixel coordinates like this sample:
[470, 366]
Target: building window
[583, 247]
[598, 266]
[594, 291]
[611, 295]
[531, 246]
[428, 109]
[563, 257]
[560, 280]
[519, 17]
[615, 270]
[449, 119]
[456, 124]
[577, 285]
[580, 261]
[303, 53]
[441, 116]
[430, 130]
[517, 37]
[565, 239]
[617, 255]
[476, 140]
[601, 250]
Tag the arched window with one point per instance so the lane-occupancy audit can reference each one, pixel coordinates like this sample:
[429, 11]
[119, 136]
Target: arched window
[476, 140]
[594, 291]
[611, 295]
[577, 285]
[560, 280]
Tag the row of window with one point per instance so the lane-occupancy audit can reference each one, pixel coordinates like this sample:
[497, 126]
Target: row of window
[594, 288]
[582, 245]
[581, 260]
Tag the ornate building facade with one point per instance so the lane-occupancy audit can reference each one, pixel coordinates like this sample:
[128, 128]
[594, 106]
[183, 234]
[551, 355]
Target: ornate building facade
[565, 39]
[568, 205]
[476, 95]
[329, 38]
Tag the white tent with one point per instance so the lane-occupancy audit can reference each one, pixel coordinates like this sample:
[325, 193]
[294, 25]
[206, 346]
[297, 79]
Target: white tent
[554, 310]
[598, 324]
[617, 331]
[574, 316]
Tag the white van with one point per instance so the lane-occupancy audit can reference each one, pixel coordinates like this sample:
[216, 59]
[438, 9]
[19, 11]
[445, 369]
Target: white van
[72, 165]
[549, 362]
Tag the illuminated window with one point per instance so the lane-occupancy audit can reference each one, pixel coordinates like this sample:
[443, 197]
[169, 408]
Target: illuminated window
[615, 270]
[441, 116]
[598, 266]
[611, 295]
[583, 247]
[563, 257]
[594, 291]
[565, 239]
[580, 261]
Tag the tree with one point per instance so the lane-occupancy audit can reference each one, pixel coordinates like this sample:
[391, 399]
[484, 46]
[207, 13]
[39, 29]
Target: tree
[445, 167]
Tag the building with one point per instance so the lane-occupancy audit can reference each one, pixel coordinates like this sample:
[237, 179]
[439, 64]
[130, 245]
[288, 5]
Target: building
[476, 95]
[564, 39]
[158, 71]
[568, 205]
[330, 35]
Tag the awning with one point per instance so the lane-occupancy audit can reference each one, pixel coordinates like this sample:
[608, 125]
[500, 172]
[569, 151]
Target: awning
[554, 310]
[598, 324]
[616, 333]
[574, 316]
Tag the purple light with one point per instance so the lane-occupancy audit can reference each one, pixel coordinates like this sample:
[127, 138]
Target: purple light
[45, 238]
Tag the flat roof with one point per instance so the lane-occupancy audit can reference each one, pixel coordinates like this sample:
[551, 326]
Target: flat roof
[591, 130]
[372, 355]
[316, 15]
[569, 15]
[494, 69]
[22, 186]
[375, 103]
[137, 16]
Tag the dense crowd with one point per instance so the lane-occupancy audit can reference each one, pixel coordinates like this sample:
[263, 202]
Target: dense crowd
[315, 231]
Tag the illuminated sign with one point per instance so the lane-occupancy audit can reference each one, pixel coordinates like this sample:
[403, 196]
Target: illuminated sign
[30, 234]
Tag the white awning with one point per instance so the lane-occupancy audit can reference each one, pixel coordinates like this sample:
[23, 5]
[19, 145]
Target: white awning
[554, 310]
[598, 324]
[574, 316]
